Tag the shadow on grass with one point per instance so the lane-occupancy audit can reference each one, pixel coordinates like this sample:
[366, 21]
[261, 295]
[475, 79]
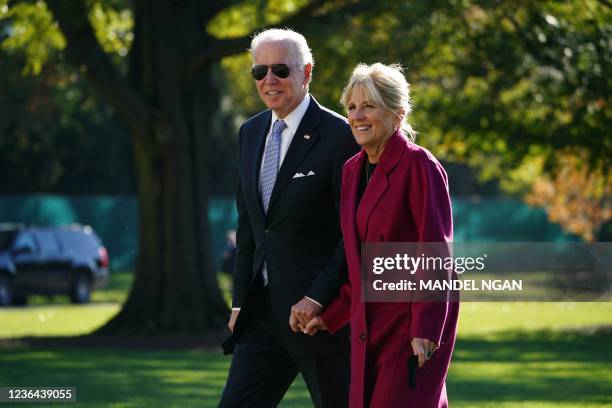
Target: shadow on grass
[543, 367]
[128, 378]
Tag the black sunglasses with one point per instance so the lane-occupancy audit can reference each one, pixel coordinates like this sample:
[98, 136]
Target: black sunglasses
[259, 72]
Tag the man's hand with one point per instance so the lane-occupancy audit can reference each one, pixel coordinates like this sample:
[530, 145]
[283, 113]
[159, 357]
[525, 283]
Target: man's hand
[232, 320]
[301, 313]
[314, 326]
[423, 348]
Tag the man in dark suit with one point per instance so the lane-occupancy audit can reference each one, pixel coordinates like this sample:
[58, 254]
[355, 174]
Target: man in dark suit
[289, 262]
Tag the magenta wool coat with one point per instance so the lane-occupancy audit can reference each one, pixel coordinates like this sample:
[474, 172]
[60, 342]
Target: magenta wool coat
[407, 200]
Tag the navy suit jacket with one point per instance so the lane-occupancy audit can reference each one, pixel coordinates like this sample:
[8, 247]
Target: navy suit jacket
[299, 237]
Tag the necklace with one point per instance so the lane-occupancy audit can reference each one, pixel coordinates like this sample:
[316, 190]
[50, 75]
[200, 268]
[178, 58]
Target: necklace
[368, 172]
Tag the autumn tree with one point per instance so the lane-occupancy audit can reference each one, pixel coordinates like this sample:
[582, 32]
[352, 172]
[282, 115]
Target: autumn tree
[576, 196]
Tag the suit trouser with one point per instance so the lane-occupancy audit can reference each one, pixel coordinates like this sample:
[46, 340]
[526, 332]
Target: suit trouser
[262, 370]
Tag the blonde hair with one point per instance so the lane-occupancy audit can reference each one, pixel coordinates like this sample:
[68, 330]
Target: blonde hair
[386, 86]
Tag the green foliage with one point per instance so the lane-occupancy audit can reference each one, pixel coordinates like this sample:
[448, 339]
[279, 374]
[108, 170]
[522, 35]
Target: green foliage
[239, 20]
[33, 32]
[57, 136]
[54, 128]
[247, 16]
[243, 94]
[499, 86]
[517, 80]
[113, 28]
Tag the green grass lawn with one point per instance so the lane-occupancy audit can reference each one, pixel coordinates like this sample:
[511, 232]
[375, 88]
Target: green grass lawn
[508, 355]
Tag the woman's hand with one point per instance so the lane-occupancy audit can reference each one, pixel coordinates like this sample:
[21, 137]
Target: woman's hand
[423, 349]
[314, 325]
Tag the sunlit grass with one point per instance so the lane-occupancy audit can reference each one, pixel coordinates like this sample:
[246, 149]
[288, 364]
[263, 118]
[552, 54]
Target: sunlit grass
[490, 317]
[542, 368]
[56, 316]
[54, 320]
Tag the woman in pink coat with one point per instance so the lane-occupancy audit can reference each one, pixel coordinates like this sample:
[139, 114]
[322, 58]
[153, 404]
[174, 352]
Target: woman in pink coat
[392, 191]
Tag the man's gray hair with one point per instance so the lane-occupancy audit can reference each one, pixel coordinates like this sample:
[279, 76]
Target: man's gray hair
[299, 49]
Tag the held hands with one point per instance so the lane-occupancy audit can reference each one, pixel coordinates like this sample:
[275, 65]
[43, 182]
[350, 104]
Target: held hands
[314, 326]
[423, 349]
[302, 313]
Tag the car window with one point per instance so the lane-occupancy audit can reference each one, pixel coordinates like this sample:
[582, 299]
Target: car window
[79, 241]
[25, 240]
[47, 241]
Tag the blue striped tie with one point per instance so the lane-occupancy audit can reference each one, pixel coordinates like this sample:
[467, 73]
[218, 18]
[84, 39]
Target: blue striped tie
[270, 166]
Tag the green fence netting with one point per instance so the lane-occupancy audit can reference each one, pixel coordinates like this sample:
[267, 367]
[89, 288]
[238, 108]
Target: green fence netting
[115, 219]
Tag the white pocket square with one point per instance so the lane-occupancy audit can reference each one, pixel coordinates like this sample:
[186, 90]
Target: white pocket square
[311, 173]
[298, 175]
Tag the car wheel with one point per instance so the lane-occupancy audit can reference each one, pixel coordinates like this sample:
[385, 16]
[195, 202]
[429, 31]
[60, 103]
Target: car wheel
[80, 290]
[6, 291]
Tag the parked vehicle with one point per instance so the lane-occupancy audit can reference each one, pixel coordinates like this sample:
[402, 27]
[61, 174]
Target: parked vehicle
[49, 261]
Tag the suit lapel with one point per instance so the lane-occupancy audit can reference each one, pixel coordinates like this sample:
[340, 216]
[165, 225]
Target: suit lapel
[298, 149]
[259, 142]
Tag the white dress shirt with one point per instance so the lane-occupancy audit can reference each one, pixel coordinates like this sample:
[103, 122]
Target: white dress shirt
[292, 121]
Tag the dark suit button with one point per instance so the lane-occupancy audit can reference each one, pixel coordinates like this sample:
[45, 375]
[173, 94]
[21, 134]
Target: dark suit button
[381, 237]
[267, 233]
[362, 336]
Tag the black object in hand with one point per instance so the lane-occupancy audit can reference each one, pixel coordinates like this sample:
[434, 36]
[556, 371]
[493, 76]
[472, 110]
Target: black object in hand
[228, 345]
[413, 368]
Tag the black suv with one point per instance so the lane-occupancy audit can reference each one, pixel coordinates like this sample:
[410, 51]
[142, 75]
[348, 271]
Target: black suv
[50, 260]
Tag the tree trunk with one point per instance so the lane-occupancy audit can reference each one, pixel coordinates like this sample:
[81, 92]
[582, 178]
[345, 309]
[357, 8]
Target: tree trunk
[175, 287]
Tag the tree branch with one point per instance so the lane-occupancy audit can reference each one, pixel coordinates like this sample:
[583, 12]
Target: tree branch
[84, 50]
[207, 9]
[314, 11]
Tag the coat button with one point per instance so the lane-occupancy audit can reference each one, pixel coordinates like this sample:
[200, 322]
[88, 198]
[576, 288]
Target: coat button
[267, 233]
[381, 237]
[362, 336]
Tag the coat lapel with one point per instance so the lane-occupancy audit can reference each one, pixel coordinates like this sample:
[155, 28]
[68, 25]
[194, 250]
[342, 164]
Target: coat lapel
[349, 204]
[379, 183]
[298, 149]
[259, 142]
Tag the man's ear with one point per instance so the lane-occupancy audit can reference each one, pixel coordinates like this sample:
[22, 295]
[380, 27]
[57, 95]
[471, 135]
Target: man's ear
[307, 72]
